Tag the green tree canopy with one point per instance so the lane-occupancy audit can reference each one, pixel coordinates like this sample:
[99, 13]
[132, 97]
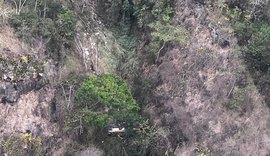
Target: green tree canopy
[104, 98]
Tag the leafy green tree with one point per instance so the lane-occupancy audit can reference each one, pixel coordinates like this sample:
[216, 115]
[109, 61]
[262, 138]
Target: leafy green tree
[105, 98]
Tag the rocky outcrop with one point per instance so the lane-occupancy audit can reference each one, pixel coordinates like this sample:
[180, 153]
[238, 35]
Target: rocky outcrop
[19, 75]
[11, 91]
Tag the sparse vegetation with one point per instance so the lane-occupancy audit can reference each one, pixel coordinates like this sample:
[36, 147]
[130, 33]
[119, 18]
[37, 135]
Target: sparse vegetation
[202, 151]
[238, 97]
[252, 30]
[24, 145]
[157, 16]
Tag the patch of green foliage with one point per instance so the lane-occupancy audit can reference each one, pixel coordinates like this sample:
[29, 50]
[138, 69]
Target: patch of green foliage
[65, 24]
[156, 15]
[240, 21]
[29, 27]
[149, 11]
[257, 51]
[106, 97]
[254, 35]
[162, 10]
[238, 97]
[55, 26]
[163, 34]
[169, 33]
[94, 118]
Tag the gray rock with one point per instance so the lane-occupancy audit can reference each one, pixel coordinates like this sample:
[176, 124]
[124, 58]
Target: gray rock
[11, 91]
[11, 94]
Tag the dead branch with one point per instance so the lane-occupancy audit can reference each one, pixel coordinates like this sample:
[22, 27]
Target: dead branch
[163, 45]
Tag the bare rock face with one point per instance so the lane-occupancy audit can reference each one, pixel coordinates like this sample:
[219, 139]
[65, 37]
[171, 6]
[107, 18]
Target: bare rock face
[11, 94]
[10, 91]
[19, 75]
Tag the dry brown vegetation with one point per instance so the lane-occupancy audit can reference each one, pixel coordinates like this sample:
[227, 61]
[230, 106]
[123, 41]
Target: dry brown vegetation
[10, 42]
[198, 84]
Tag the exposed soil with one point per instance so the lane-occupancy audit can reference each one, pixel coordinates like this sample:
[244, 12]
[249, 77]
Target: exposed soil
[10, 44]
[31, 112]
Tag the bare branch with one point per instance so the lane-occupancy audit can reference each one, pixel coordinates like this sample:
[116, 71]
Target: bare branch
[163, 45]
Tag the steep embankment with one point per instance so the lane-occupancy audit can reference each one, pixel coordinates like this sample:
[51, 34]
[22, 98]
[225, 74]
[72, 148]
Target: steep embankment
[24, 92]
[202, 102]
[204, 95]
[35, 99]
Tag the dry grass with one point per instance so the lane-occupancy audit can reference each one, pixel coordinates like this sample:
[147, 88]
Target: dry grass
[8, 40]
[5, 12]
[31, 110]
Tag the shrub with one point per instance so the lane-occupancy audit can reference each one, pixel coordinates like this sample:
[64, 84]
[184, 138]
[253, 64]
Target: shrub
[156, 15]
[24, 145]
[66, 24]
[106, 97]
[162, 34]
[25, 24]
[153, 10]
[257, 52]
[169, 33]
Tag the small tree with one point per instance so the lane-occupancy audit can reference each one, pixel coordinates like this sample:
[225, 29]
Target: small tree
[106, 98]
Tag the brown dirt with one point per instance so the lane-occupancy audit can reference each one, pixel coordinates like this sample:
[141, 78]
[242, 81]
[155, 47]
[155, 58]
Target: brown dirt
[32, 112]
[8, 40]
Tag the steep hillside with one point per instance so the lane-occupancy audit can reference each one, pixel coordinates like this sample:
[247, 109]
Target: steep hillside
[204, 96]
[134, 77]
